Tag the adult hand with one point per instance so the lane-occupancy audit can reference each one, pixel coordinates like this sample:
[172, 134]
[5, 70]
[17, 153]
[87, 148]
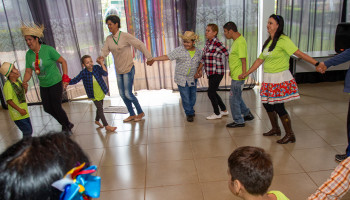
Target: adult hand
[150, 62]
[65, 84]
[321, 68]
[242, 76]
[198, 74]
[100, 60]
[22, 112]
[25, 86]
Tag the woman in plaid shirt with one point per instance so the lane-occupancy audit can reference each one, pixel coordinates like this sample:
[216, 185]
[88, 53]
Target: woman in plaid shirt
[214, 68]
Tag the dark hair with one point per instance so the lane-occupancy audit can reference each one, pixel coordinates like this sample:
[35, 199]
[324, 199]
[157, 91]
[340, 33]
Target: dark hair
[40, 40]
[231, 26]
[114, 19]
[214, 28]
[84, 57]
[252, 166]
[279, 32]
[29, 167]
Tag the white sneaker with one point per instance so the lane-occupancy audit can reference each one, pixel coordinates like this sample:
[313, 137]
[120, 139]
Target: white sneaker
[224, 113]
[214, 116]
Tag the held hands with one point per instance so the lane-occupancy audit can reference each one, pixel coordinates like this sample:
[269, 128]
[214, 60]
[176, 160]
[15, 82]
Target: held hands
[25, 86]
[242, 76]
[100, 60]
[321, 68]
[22, 112]
[150, 62]
[65, 84]
[198, 74]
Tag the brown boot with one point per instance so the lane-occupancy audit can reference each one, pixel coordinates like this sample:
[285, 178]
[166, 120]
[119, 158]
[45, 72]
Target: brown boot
[289, 137]
[274, 122]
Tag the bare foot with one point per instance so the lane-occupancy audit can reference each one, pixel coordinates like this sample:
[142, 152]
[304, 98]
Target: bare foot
[110, 128]
[99, 124]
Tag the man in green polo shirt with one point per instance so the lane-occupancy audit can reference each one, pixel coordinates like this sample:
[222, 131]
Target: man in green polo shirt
[238, 64]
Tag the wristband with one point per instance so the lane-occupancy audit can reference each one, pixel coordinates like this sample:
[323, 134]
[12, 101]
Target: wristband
[317, 64]
[65, 78]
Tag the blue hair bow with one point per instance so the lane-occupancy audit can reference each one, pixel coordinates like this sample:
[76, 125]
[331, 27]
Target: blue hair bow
[78, 184]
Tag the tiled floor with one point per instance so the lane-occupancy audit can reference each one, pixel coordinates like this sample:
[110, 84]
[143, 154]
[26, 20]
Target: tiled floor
[165, 157]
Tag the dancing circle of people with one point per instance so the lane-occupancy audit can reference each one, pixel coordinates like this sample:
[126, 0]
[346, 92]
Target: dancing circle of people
[277, 88]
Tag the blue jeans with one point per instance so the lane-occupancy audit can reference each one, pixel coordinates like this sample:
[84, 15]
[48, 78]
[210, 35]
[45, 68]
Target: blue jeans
[125, 83]
[25, 126]
[238, 107]
[188, 97]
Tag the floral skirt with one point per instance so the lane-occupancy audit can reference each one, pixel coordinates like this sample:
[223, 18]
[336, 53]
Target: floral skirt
[278, 88]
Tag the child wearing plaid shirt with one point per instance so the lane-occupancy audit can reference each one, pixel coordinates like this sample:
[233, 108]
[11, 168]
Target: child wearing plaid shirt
[95, 87]
[187, 60]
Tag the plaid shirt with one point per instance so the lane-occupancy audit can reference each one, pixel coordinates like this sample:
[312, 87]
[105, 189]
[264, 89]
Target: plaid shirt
[337, 185]
[212, 57]
[98, 72]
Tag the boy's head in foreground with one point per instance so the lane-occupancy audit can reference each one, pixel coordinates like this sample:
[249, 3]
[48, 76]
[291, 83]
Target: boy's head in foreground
[87, 62]
[250, 170]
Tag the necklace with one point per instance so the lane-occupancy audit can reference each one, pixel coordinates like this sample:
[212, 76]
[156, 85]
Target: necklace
[116, 42]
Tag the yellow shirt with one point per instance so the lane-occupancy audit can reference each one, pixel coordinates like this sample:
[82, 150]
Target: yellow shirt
[98, 92]
[11, 95]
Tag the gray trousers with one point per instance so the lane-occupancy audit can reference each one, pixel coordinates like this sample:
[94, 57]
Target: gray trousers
[99, 112]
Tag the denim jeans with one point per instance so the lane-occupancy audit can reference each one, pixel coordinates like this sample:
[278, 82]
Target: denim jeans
[25, 126]
[238, 107]
[188, 97]
[125, 83]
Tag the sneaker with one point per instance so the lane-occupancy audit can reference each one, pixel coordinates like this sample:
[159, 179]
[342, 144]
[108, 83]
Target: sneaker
[224, 113]
[139, 117]
[249, 117]
[214, 116]
[190, 118]
[340, 157]
[130, 118]
[235, 125]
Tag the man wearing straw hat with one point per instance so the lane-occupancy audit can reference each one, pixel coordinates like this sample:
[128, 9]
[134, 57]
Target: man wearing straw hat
[187, 60]
[15, 98]
[42, 59]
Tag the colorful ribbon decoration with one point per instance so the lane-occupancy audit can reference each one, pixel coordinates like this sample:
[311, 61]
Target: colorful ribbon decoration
[37, 68]
[65, 78]
[78, 184]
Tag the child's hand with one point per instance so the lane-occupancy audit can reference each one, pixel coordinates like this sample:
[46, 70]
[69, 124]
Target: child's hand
[22, 112]
[25, 86]
[150, 62]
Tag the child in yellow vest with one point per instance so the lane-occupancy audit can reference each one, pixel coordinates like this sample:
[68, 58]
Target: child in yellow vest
[95, 87]
[15, 98]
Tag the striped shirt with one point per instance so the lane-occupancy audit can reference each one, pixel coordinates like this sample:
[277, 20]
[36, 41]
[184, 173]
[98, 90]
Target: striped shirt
[212, 57]
[337, 185]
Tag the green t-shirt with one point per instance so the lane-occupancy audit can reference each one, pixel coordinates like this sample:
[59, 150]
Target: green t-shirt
[278, 194]
[11, 95]
[192, 53]
[98, 92]
[278, 59]
[238, 51]
[49, 72]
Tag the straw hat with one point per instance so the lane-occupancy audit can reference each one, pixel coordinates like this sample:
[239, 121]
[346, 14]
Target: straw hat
[189, 35]
[6, 68]
[33, 29]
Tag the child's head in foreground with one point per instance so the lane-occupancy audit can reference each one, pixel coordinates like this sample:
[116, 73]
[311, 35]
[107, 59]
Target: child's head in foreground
[9, 70]
[87, 62]
[30, 166]
[250, 170]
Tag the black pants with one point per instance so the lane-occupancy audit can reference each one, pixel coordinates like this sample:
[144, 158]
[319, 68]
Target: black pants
[51, 98]
[99, 112]
[216, 101]
[278, 108]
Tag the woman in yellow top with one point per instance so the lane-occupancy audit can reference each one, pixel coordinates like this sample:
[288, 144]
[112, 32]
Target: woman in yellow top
[278, 84]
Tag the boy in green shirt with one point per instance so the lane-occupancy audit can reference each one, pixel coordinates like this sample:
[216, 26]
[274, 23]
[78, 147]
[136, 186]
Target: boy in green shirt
[238, 64]
[15, 98]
